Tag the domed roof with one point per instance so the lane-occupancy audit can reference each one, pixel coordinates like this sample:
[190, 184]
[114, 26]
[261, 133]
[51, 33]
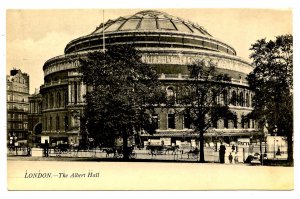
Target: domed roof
[150, 29]
[151, 20]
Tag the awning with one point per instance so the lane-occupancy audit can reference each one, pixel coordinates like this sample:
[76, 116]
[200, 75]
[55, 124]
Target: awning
[54, 135]
[186, 134]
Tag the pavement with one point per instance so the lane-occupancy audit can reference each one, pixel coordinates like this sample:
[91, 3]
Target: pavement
[142, 155]
[97, 159]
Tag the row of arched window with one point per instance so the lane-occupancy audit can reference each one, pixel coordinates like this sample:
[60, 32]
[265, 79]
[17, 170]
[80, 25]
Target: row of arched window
[235, 99]
[55, 125]
[245, 123]
[241, 99]
[56, 100]
[232, 122]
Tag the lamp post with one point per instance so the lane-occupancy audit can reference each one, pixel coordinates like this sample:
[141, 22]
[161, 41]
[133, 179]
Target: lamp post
[275, 133]
[16, 143]
[265, 130]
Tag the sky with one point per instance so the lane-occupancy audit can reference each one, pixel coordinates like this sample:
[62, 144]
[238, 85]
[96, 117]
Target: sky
[34, 36]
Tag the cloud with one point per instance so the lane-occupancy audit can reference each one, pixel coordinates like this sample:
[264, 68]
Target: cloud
[30, 55]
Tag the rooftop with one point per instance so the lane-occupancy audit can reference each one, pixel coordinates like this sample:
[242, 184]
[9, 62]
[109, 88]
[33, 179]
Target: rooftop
[150, 20]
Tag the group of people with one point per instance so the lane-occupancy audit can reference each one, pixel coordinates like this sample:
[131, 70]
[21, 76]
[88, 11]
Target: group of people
[233, 156]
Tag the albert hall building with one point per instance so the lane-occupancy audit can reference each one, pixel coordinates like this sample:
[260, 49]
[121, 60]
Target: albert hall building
[170, 44]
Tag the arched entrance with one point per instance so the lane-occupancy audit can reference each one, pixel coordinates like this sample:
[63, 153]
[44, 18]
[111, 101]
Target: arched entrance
[37, 129]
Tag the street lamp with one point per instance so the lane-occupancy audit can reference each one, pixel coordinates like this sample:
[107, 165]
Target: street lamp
[265, 130]
[15, 138]
[275, 133]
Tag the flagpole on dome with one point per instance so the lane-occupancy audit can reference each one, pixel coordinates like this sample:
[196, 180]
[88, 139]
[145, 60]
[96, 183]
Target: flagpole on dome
[103, 39]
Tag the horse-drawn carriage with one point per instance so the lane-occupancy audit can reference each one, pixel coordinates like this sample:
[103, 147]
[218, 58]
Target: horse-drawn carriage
[117, 152]
[59, 149]
[194, 153]
[155, 149]
[161, 149]
[173, 149]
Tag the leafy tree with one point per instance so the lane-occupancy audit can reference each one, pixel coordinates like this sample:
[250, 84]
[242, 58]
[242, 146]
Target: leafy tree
[272, 82]
[200, 102]
[122, 94]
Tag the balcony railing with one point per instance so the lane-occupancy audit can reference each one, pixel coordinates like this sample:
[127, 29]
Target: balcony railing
[17, 109]
[186, 77]
[54, 83]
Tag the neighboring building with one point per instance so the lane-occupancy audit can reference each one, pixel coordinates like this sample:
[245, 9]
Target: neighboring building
[170, 44]
[35, 116]
[17, 92]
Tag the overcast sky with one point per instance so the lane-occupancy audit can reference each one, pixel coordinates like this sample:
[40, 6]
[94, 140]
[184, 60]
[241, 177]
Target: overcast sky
[34, 36]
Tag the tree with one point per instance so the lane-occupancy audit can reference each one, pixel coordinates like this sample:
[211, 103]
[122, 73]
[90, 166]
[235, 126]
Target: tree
[272, 82]
[200, 102]
[123, 92]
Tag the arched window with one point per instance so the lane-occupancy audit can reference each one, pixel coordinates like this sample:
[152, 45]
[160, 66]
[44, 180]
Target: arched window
[214, 97]
[241, 99]
[39, 108]
[46, 126]
[187, 121]
[243, 121]
[214, 122]
[226, 122]
[235, 121]
[57, 123]
[58, 99]
[247, 100]
[170, 92]
[66, 99]
[225, 97]
[171, 121]
[46, 101]
[155, 121]
[66, 123]
[75, 93]
[50, 124]
[51, 101]
[233, 98]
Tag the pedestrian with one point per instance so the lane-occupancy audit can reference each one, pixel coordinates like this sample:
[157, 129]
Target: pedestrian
[222, 153]
[278, 151]
[230, 158]
[46, 148]
[28, 151]
[236, 158]
[233, 148]
[71, 145]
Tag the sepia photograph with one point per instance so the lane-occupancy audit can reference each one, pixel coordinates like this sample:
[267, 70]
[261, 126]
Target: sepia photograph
[149, 99]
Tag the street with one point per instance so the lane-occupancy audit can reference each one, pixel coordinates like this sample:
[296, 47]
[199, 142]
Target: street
[81, 175]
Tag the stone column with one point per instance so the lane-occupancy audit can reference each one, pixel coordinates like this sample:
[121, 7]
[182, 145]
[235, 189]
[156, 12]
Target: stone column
[239, 121]
[79, 84]
[70, 93]
[163, 115]
[220, 124]
[83, 91]
[73, 92]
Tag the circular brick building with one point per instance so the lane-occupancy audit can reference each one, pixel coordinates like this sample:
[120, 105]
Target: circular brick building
[170, 44]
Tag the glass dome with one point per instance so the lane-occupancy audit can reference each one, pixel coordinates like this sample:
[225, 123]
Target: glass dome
[150, 29]
[150, 20]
